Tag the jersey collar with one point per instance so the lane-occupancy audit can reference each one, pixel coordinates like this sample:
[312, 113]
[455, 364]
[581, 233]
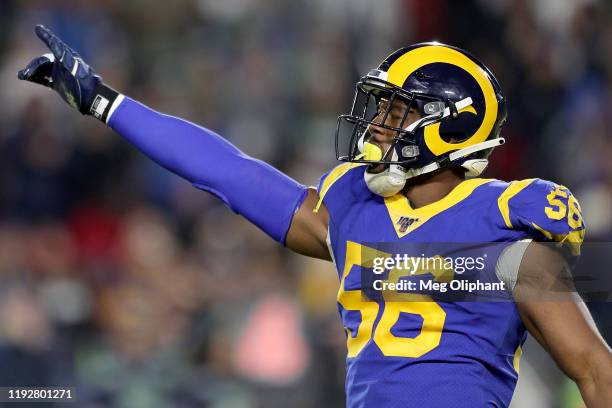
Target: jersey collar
[406, 219]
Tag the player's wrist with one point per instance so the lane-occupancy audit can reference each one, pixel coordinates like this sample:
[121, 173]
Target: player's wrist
[104, 102]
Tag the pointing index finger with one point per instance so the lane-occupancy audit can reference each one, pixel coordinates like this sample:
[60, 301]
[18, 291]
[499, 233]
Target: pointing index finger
[50, 40]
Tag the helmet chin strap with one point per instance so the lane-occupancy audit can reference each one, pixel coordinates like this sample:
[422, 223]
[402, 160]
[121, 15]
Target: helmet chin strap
[389, 181]
[474, 167]
[438, 115]
[393, 179]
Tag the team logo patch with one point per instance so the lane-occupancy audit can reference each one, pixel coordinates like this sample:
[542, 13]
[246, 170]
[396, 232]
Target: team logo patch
[405, 223]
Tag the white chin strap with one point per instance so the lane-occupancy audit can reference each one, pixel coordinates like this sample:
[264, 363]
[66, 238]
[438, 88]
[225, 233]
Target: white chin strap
[389, 181]
[393, 179]
[439, 115]
[473, 167]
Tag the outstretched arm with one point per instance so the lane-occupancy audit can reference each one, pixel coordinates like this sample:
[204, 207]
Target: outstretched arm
[271, 200]
[250, 187]
[558, 318]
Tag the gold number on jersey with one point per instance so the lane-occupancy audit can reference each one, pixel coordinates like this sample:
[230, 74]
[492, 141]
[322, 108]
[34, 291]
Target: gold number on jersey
[558, 210]
[574, 217]
[353, 300]
[396, 303]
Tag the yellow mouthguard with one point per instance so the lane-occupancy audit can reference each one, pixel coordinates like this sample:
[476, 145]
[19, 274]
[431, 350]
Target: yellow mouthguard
[371, 152]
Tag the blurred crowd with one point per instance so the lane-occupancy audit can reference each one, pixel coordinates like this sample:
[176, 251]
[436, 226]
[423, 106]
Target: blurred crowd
[120, 279]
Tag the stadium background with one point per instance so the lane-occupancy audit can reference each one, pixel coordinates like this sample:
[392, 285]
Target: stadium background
[120, 279]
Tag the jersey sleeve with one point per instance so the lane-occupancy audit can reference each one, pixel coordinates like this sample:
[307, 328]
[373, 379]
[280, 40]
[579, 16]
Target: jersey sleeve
[545, 211]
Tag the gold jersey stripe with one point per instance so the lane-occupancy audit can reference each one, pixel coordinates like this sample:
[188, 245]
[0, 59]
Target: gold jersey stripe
[516, 361]
[573, 239]
[503, 200]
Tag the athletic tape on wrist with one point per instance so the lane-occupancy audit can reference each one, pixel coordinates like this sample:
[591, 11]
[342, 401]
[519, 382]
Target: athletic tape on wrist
[104, 103]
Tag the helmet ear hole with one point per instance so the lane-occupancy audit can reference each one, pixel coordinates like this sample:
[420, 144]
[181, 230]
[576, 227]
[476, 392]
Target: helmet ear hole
[460, 129]
[452, 137]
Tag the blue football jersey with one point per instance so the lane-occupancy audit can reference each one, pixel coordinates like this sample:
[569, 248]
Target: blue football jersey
[425, 352]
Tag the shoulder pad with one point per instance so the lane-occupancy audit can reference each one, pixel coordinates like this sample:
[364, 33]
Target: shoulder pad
[546, 210]
[330, 178]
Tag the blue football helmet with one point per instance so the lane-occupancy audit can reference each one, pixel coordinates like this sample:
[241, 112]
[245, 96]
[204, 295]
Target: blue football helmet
[460, 107]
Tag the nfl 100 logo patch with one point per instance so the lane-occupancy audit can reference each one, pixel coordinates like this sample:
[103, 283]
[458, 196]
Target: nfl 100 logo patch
[405, 223]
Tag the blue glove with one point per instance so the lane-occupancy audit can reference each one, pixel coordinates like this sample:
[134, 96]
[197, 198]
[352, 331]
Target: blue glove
[65, 72]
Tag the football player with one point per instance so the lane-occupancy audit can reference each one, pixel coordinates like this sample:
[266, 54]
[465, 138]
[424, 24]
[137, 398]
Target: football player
[416, 140]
